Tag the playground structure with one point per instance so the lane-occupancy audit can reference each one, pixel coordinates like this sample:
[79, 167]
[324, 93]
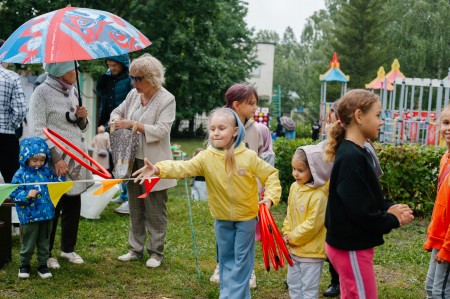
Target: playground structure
[410, 106]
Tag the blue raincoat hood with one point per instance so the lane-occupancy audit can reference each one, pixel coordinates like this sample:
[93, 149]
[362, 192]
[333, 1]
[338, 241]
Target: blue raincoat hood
[123, 59]
[33, 146]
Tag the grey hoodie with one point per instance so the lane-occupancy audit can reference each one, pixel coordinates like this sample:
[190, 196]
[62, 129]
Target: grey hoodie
[320, 170]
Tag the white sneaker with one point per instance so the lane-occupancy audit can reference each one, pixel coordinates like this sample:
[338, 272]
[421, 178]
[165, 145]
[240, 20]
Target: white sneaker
[153, 262]
[123, 209]
[130, 256]
[215, 278]
[252, 281]
[72, 257]
[52, 263]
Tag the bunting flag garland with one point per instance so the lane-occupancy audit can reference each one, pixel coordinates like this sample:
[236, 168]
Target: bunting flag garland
[149, 184]
[58, 189]
[106, 185]
[5, 191]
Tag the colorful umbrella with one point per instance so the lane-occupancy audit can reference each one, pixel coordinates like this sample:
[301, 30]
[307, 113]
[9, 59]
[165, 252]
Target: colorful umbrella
[72, 33]
[69, 34]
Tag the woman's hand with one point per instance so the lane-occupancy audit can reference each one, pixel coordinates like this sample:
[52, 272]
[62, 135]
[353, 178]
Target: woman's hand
[81, 112]
[145, 172]
[61, 168]
[123, 124]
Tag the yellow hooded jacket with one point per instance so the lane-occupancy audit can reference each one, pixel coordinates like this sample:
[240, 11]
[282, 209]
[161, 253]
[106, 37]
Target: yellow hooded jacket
[231, 198]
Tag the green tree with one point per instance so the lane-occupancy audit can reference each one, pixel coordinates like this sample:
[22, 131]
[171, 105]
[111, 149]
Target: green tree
[417, 34]
[357, 38]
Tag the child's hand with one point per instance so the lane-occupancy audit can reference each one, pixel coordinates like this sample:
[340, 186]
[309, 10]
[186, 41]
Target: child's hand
[145, 172]
[267, 202]
[286, 239]
[32, 193]
[403, 213]
[439, 260]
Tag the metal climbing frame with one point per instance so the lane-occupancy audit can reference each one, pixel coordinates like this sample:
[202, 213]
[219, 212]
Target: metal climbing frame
[411, 111]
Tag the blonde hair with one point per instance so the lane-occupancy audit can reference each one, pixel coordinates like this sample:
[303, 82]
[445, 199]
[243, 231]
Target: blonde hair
[230, 160]
[357, 99]
[150, 68]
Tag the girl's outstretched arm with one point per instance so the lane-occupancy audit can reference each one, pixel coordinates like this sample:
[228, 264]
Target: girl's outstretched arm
[145, 172]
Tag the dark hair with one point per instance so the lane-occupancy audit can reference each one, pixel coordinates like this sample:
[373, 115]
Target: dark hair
[239, 92]
[1, 42]
[353, 100]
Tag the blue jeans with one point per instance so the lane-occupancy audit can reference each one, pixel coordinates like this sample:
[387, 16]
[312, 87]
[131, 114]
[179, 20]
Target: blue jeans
[437, 284]
[236, 242]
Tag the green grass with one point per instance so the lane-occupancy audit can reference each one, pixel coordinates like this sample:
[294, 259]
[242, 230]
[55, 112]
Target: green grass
[189, 145]
[400, 264]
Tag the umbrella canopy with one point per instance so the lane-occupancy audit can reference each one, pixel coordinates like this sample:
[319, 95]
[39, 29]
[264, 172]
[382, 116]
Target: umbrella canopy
[288, 123]
[69, 34]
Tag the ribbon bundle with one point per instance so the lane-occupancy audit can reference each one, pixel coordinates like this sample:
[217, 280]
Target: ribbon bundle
[273, 245]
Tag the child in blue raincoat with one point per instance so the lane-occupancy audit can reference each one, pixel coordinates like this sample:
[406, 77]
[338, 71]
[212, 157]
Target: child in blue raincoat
[33, 204]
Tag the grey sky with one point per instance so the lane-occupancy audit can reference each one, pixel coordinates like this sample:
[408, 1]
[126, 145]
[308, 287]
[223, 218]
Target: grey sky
[277, 15]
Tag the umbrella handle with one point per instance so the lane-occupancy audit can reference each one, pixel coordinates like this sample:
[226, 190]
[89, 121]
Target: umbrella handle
[75, 121]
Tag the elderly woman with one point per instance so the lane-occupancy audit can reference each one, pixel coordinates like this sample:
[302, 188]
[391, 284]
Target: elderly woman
[152, 108]
[54, 104]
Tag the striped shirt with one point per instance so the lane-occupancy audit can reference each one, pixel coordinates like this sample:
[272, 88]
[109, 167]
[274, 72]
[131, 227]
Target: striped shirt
[13, 108]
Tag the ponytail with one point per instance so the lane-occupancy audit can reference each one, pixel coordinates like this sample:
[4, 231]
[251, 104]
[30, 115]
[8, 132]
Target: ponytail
[335, 136]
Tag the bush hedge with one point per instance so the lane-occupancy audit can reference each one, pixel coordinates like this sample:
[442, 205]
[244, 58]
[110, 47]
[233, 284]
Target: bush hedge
[410, 171]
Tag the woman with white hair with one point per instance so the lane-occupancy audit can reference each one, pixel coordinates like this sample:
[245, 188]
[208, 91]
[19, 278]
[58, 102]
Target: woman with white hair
[54, 104]
[151, 108]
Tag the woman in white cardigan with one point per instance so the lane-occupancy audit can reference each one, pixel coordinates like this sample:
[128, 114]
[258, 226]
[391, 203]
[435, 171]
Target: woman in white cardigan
[49, 104]
[152, 108]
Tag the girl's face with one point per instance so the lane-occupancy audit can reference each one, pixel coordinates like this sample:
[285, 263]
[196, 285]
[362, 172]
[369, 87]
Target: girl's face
[36, 162]
[247, 108]
[300, 171]
[222, 129]
[444, 126]
[371, 122]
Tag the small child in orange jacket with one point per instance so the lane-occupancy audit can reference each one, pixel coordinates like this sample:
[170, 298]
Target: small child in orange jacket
[437, 283]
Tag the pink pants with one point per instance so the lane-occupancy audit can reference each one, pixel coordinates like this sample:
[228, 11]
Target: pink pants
[355, 269]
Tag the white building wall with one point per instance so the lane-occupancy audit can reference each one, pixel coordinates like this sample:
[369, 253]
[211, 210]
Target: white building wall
[262, 76]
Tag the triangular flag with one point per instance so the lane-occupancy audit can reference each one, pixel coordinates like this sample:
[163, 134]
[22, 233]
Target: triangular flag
[106, 185]
[5, 191]
[58, 189]
[149, 184]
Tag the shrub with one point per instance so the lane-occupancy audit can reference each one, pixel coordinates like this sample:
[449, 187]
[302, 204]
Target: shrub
[410, 174]
[410, 171]
[284, 150]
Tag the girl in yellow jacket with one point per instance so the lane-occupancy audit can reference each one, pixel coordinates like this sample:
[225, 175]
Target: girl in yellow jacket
[230, 170]
[304, 227]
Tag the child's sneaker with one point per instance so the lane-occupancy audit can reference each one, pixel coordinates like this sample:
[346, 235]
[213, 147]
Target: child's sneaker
[252, 281]
[24, 271]
[72, 257]
[215, 278]
[44, 272]
[53, 263]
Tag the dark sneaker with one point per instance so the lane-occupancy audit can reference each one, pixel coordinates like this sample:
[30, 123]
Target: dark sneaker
[44, 272]
[24, 271]
[332, 291]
